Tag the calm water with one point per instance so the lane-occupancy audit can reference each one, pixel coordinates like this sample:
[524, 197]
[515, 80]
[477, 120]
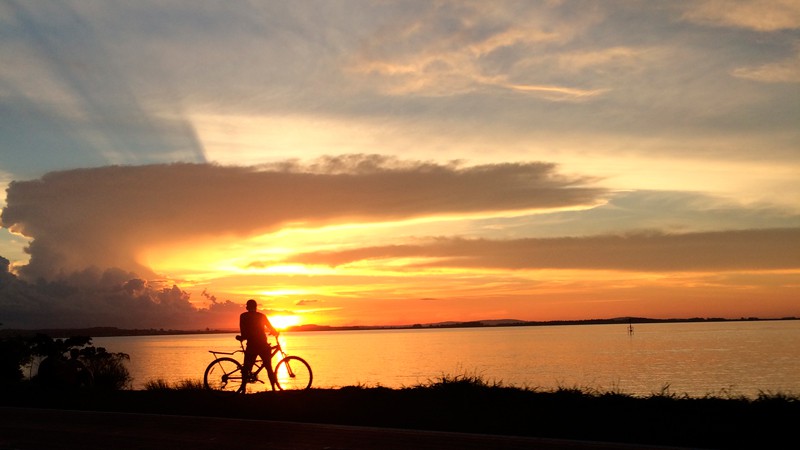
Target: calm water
[742, 358]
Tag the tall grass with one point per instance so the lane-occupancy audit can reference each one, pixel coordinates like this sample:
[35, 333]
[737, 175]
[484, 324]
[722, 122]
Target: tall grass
[463, 380]
[181, 385]
[476, 381]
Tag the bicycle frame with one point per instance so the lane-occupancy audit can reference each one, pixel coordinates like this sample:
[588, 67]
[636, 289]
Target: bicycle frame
[290, 372]
[259, 363]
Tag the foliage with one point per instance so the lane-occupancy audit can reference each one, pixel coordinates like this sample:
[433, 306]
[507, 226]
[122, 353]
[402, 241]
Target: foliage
[86, 365]
[108, 369]
[15, 352]
[44, 346]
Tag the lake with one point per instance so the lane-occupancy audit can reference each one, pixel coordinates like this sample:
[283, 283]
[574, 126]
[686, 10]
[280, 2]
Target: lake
[716, 358]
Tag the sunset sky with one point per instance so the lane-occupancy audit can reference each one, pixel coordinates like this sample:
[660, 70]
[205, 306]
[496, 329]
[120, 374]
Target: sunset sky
[397, 162]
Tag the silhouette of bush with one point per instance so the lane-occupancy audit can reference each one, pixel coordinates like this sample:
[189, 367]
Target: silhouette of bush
[15, 352]
[86, 367]
[108, 369]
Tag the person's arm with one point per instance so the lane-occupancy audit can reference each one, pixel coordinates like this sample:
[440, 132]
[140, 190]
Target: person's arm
[270, 329]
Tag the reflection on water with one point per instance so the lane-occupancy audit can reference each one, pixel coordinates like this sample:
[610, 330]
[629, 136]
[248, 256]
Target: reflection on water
[741, 358]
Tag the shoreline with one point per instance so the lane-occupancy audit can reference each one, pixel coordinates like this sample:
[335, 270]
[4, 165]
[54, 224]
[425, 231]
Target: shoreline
[117, 332]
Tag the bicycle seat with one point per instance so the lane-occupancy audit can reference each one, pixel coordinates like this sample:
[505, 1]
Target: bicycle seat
[239, 338]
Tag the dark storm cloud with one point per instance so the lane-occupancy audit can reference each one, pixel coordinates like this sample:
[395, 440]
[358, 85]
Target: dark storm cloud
[111, 297]
[765, 249]
[101, 217]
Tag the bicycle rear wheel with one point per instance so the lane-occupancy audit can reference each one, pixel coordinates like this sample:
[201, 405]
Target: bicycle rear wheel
[223, 374]
[293, 373]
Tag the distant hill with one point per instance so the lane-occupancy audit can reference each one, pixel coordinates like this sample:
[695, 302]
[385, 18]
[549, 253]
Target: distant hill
[523, 323]
[113, 331]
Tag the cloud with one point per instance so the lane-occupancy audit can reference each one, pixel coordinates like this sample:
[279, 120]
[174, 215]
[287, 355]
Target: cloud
[766, 249]
[454, 48]
[92, 84]
[784, 71]
[673, 212]
[759, 15]
[102, 217]
[112, 297]
[554, 93]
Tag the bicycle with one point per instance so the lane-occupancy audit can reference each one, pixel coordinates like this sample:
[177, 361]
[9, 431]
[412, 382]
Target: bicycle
[225, 372]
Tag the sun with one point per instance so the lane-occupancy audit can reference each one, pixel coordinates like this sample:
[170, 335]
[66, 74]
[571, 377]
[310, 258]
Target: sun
[282, 322]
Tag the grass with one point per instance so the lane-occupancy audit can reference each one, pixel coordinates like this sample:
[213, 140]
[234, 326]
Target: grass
[472, 381]
[183, 385]
[470, 403]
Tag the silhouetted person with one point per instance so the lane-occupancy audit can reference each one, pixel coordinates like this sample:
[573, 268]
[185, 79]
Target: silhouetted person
[254, 326]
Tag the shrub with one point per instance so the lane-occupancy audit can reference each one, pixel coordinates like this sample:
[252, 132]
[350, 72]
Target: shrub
[86, 365]
[15, 352]
[108, 369]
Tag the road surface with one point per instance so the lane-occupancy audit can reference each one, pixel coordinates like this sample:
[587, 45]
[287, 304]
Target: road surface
[26, 429]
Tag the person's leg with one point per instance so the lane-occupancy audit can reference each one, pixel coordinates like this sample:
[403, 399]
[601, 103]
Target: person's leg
[249, 359]
[266, 358]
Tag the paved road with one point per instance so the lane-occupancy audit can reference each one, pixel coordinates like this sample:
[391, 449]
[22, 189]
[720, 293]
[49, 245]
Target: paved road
[25, 429]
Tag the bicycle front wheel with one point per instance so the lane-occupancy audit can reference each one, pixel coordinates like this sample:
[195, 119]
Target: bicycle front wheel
[223, 374]
[293, 373]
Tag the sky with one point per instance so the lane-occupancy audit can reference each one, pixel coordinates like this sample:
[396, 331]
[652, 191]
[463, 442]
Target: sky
[397, 162]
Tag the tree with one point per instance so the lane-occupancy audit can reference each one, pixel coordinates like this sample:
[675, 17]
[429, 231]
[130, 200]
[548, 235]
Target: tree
[108, 369]
[86, 366]
[15, 352]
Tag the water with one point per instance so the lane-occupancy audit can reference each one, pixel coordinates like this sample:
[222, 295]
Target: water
[723, 358]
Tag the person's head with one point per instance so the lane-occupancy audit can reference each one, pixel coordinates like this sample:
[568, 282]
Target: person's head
[251, 305]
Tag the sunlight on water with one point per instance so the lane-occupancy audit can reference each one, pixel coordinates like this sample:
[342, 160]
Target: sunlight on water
[737, 358]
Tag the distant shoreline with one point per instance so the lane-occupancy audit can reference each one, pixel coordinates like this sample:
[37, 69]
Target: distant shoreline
[114, 331]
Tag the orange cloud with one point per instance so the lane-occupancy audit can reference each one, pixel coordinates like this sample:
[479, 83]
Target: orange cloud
[102, 217]
[764, 249]
[760, 15]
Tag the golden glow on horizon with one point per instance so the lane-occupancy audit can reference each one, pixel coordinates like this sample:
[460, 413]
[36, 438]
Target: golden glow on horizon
[283, 292]
[385, 290]
[290, 269]
[282, 321]
[258, 255]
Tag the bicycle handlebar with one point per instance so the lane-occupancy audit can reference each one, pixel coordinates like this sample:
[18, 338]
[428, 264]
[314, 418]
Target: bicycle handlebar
[277, 341]
[241, 343]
